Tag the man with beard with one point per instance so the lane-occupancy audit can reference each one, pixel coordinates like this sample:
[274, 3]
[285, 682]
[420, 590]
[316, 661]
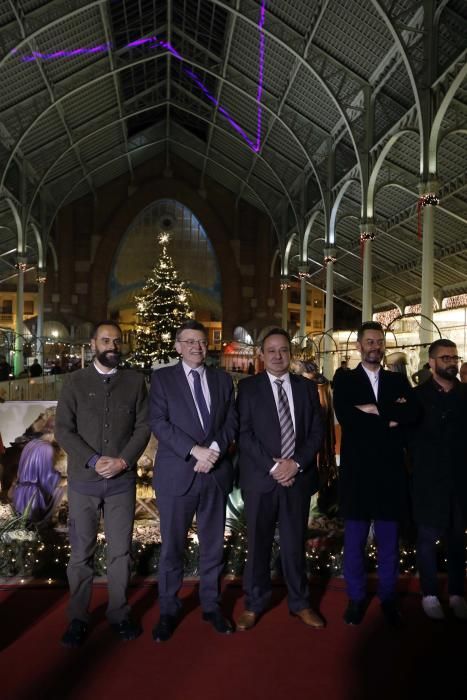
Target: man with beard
[372, 405]
[101, 423]
[439, 462]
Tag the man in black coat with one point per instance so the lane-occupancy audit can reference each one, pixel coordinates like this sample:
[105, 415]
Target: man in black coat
[439, 461]
[280, 434]
[372, 405]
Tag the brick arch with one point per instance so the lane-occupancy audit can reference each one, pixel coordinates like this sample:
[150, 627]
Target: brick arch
[121, 218]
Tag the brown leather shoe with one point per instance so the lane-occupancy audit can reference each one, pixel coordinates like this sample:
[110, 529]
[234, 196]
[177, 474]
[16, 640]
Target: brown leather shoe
[247, 620]
[310, 618]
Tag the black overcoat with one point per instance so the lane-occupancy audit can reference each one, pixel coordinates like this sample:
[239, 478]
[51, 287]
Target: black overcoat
[373, 481]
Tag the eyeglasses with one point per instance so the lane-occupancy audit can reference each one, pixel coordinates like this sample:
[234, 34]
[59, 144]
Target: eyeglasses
[449, 358]
[192, 342]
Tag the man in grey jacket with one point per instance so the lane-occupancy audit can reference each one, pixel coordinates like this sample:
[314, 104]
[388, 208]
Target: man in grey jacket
[101, 423]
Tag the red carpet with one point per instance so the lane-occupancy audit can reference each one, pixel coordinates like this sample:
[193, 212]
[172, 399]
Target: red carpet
[279, 658]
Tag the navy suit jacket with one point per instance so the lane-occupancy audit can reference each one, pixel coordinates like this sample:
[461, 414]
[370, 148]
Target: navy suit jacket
[175, 423]
[260, 437]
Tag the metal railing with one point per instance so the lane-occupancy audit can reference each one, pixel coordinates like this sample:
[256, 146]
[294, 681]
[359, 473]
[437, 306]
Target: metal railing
[45, 388]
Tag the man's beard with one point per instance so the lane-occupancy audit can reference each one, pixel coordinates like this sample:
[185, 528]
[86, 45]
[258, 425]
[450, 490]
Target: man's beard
[109, 358]
[447, 372]
[374, 357]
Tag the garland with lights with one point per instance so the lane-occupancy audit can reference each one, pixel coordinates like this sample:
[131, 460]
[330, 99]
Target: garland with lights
[46, 556]
[163, 305]
[426, 200]
[28, 552]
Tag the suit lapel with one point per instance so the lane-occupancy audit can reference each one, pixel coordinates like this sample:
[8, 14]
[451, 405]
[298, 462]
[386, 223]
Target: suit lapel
[185, 393]
[270, 406]
[213, 386]
[382, 385]
[298, 398]
[369, 393]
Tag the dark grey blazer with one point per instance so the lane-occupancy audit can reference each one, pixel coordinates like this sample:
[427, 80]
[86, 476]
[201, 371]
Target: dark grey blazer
[175, 423]
[102, 415]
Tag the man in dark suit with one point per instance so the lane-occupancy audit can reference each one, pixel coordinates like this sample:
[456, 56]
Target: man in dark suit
[372, 405]
[193, 416]
[280, 434]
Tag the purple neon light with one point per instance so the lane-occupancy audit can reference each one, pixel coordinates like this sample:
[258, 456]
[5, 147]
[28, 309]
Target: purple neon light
[154, 42]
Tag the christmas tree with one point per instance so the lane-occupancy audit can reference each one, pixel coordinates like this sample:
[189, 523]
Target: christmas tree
[161, 307]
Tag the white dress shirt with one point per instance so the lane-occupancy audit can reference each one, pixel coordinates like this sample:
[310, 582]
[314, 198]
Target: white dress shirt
[287, 387]
[374, 380]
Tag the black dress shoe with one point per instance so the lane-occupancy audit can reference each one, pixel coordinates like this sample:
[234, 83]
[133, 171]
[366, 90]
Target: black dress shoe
[391, 612]
[218, 621]
[355, 612]
[127, 629]
[75, 634]
[164, 628]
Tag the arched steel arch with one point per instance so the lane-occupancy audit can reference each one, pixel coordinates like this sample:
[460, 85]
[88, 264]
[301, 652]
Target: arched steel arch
[377, 168]
[20, 237]
[335, 207]
[306, 65]
[273, 262]
[230, 135]
[306, 236]
[288, 248]
[111, 74]
[438, 120]
[227, 132]
[156, 143]
[40, 246]
[408, 66]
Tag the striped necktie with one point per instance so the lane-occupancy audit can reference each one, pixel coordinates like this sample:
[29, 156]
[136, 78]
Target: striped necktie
[285, 421]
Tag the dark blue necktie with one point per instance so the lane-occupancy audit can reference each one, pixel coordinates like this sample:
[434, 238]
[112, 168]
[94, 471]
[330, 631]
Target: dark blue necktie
[200, 400]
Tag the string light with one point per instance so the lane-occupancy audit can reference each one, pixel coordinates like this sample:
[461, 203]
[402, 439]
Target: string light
[161, 308]
[367, 236]
[429, 199]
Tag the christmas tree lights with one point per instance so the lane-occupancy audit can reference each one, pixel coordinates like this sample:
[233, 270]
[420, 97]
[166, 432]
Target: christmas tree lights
[162, 306]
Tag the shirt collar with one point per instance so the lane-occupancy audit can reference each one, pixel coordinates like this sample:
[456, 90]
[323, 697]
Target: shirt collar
[372, 376]
[284, 378]
[187, 369]
[111, 371]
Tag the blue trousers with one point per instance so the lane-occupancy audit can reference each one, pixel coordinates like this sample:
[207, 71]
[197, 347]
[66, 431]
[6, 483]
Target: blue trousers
[355, 570]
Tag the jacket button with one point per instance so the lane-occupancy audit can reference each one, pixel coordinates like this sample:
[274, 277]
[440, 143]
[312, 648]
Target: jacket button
[106, 442]
[106, 425]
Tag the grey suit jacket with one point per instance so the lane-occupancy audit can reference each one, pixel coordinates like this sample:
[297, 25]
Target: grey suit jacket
[95, 416]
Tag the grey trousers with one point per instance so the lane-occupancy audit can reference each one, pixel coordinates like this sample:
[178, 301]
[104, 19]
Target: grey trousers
[84, 515]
